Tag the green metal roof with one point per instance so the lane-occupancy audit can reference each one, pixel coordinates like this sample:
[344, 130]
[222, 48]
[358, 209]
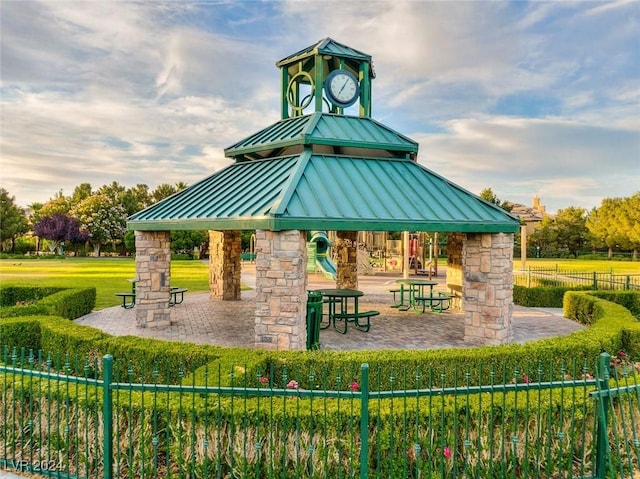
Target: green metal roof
[326, 192]
[324, 129]
[326, 46]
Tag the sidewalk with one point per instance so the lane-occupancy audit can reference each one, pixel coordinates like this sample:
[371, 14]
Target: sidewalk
[231, 323]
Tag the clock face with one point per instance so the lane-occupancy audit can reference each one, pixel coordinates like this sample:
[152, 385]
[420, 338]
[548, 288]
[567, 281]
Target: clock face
[342, 88]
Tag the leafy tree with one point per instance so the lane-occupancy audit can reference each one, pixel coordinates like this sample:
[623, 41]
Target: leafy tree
[80, 193]
[186, 241]
[165, 190]
[570, 229]
[545, 237]
[136, 198]
[488, 195]
[103, 218]
[630, 223]
[60, 228]
[57, 204]
[13, 221]
[603, 224]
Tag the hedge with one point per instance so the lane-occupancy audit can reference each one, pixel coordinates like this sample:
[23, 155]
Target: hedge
[612, 328]
[70, 303]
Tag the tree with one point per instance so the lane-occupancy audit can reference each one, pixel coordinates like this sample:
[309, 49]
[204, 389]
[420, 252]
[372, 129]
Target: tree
[58, 204]
[488, 195]
[59, 228]
[603, 224]
[104, 219]
[165, 190]
[544, 237]
[630, 223]
[80, 193]
[136, 198]
[13, 220]
[570, 229]
[186, 241]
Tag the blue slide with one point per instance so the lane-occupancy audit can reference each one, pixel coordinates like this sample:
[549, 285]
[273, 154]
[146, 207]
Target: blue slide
[323, 261]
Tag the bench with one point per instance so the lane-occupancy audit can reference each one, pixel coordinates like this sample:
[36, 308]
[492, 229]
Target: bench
[455, 290]
[394, 291]
[438, 302]
[356, 319]
[177, 296]
[128, 300]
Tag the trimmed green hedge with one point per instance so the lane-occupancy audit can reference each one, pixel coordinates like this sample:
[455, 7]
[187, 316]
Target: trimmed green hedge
[541, 297]
[70, 303]
[612, 328]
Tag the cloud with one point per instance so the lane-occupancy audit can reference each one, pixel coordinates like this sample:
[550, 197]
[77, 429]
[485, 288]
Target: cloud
[524, 97]
[573, 163]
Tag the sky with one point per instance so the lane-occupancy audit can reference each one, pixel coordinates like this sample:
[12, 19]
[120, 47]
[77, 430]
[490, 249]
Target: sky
[526, 98]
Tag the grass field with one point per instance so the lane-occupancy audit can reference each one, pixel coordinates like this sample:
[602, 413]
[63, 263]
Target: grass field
[599, 266]
[110, 275]
[107, 275]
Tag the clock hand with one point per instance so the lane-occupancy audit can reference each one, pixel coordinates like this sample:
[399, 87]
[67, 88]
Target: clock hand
[343, 86]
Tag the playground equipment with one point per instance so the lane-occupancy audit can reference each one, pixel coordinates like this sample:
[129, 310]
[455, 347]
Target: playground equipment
[317, 255]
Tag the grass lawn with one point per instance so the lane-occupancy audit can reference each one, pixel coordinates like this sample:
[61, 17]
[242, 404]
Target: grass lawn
[108, 275]
[599, 266]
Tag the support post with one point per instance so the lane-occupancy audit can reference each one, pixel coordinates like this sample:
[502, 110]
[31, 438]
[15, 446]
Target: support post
[107, 415]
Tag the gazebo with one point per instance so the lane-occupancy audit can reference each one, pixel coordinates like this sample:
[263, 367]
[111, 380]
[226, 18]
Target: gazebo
[321, 169]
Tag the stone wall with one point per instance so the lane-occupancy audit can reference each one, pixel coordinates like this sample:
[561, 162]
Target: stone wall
[281, 290]
[487, 262]
[225, 251]
[346, 247]
[153, 278]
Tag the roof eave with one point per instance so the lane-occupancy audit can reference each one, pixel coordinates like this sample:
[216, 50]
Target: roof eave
[334, 224]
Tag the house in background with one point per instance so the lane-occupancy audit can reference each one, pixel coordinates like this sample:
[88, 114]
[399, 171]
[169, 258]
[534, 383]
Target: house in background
[530, 216]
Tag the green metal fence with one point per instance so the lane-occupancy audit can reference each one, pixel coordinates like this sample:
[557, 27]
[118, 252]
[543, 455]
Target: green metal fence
[533, 277]
[96, 418]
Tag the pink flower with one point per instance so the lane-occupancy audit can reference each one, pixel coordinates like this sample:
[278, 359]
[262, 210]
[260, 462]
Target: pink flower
[292, 384]
[263, 380]
[447, 452]
[354, 386]
[525, 378]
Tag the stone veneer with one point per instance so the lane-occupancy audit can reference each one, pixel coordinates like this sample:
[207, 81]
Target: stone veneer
[346, 247]
[281, 290]
[487, 263]
[153, 278]
[225, 251]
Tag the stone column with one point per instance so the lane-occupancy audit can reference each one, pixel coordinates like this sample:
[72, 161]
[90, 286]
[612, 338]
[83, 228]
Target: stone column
[281, 290]
[487, 261]
[153, 278]
[225, 251]
[347, 253]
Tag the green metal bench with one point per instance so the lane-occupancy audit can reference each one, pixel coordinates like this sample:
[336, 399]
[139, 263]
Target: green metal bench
[128, 299]
[177, 296]
[355, 318]
[438, 302]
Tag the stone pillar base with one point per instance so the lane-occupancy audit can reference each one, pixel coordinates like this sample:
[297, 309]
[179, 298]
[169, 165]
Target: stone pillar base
[488, 288]
[347, 253]
[281, 290]
[153, 278]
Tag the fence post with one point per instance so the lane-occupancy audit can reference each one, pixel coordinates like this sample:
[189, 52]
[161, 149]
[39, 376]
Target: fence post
[595, 280]
[107, 415]
[364, 422]
[602, 437]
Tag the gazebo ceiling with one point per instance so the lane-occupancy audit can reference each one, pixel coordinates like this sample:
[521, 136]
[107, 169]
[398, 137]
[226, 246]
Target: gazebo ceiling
[310, 191]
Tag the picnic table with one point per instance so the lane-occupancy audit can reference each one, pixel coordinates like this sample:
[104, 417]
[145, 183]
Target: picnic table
[411, 289]
[344, 298]
[176, 296]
